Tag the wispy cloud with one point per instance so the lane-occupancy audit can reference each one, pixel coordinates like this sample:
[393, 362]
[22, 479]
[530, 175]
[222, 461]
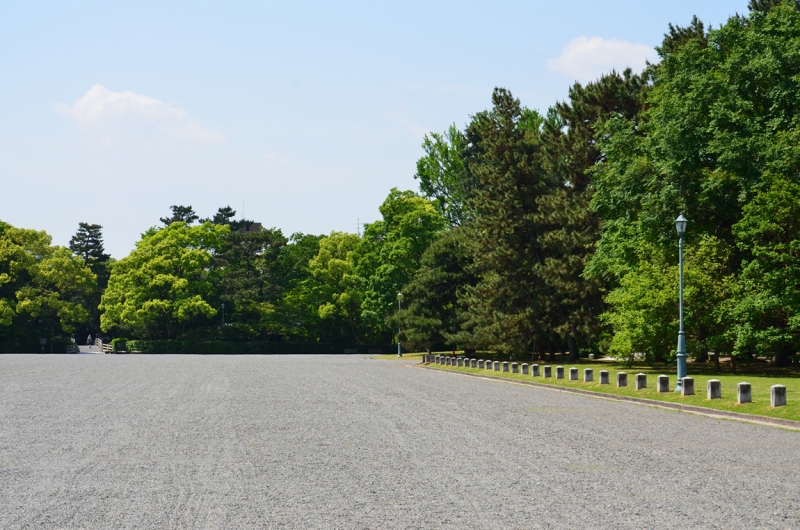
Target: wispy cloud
[402, 120]
[116, 112]
[587, 58]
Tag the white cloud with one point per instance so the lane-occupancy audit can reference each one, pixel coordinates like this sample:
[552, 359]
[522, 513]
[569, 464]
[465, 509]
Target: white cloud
[587, 58]
[109, 112]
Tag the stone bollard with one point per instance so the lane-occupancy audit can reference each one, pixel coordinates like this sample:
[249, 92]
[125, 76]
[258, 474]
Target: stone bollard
[641, 381]
[459, 362]
[662, 383]
[524, 368]
[687, 386]
[514, 368]
[559, 372]
[548, 371]
[480, 364]
[573, 374]
[496, 366]
[535, 370]
[744, 393]
[714, 389]
[489, 364]
[505, 366]
[777, 396]
[588, 375]
[622, 379]
[591, 356]
[604, 377]
[447, 361]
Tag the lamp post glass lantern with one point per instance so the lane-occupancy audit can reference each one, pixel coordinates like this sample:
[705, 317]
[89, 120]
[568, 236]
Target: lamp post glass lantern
[399, 329]
[680, 226]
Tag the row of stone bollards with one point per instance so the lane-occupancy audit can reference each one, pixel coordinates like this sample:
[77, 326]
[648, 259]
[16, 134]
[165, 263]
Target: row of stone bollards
[714, 388]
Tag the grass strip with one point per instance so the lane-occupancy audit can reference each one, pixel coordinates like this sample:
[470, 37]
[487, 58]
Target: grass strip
[760, 388]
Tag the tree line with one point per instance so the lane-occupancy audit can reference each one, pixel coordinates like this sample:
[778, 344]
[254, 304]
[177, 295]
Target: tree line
[531, 233]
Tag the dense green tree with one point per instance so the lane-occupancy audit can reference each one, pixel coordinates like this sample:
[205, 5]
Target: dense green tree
[42, 286]
[163, 286]
[720, 126]
[224, 216]
[88, 243]
[766, 5]
[506, 305]
[443, 175]
[247, 278]
[180, 214]
[570, 228]
[298, 309]
[431, 312]
[389, 255]
[337, 290]
[767, 313]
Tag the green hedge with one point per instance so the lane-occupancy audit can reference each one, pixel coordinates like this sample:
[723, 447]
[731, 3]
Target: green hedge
[235, 348]
[56, 345]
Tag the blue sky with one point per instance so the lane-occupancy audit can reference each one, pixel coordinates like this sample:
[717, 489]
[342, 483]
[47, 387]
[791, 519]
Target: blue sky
[304, 114]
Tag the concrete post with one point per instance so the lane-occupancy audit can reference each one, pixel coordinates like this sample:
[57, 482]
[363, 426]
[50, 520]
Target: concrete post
[641, 381]
[662, 383]
[514, 368]
[548, 371]
[588, 375]
[777, 396]
[559, 372]
[535, 370]
[459, 362]
[744, 393]
[714, 389]
[489, 364]
[505, 366]
[473, 363]
[524, 368]
[687, 386]
[480, 364]
[496, 366]
[573, 374]
[622, 379]
[604, 377]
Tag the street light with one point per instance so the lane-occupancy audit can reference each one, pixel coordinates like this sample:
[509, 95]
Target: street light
[680, 226]
[399, 329]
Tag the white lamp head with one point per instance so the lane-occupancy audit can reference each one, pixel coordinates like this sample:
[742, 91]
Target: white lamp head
[680, 225]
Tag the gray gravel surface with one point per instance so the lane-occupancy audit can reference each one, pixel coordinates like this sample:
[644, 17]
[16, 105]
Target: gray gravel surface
[100, 441]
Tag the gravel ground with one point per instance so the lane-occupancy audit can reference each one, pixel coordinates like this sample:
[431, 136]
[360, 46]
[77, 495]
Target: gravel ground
[99, 441]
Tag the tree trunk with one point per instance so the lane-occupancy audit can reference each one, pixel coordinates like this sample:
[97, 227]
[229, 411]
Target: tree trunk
[574, 353]
[716, 361]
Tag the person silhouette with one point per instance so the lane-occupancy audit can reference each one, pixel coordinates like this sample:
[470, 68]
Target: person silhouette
[89, 340]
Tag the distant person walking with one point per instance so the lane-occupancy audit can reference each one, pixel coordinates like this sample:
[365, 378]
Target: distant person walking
[89, 340]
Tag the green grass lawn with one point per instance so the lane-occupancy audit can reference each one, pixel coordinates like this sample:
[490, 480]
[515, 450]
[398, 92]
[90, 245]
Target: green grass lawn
[760, 386]
[406, 357]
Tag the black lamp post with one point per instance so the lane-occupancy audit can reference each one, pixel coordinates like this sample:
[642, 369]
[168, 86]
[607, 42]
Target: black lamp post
[680, 226]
